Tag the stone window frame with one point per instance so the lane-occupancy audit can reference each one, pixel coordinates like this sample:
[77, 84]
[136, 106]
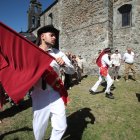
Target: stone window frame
[38, 21]
[33, 22]
[50, 18]
[35, 9]
[126, 14]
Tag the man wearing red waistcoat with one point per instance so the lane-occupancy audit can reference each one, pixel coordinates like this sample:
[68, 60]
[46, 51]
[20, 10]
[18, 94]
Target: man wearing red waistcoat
[104, 63]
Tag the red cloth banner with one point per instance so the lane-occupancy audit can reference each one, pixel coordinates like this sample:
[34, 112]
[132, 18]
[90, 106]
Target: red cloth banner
[22, 64]
[98, 60]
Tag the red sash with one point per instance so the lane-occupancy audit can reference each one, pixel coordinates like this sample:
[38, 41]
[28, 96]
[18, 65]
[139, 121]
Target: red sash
[103, 71]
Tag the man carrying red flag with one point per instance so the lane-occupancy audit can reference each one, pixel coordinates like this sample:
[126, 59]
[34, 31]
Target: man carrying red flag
[104, 63]
[22, 63]
[47, 101]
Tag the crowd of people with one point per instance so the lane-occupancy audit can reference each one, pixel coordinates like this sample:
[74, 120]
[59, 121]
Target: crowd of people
[112, 61]
[71, 79]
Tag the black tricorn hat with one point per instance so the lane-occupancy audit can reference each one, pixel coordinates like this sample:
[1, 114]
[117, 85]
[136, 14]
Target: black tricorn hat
[107, 50]
[47, 28]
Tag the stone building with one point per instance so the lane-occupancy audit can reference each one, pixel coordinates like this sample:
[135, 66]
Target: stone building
[34, 11]
[89, 25]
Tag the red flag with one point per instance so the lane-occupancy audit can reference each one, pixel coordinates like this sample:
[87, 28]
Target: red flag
[22, 64]
[98, 60]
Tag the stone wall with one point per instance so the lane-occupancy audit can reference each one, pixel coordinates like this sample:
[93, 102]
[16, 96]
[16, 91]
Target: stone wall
[84, 27]
[124, 37]
[89, 25]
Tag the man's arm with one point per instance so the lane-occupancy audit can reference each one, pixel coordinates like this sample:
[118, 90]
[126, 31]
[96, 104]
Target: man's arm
[68, 67]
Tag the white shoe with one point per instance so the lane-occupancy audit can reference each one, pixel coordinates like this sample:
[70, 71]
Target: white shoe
[117, 80]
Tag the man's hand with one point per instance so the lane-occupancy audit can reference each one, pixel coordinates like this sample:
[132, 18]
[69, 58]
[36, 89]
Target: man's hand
[60, 61]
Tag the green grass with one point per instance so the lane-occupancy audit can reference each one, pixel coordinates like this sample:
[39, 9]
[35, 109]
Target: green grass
[90, 117]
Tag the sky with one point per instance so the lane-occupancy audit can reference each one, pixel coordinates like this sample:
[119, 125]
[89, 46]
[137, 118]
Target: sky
[13, 13]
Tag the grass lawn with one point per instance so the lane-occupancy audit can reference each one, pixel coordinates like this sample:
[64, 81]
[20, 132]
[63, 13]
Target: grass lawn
[89, 117]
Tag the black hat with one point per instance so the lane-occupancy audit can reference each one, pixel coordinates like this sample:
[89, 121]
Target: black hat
[107, 50]
[47, 28]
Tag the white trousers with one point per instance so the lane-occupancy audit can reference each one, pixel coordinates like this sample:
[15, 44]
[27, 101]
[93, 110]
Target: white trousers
[48, 104]
[109, 81]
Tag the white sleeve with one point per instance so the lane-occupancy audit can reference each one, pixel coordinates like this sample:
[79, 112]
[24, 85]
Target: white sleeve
[124, 57]
[68, 68]
[106, 60]
[120, 56]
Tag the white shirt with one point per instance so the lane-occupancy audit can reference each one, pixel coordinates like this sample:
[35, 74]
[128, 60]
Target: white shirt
[105, 61]
[128, 58]
[68, 68]
[116, 59]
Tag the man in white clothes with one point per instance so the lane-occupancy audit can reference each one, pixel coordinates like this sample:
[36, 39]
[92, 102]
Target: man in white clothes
[47, 102]
[104, 63]
[128, 58]
[116, 62]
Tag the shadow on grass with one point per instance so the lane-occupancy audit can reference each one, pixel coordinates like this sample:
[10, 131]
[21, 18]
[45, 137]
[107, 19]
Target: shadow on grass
[138, 96]
[15, 109]
[15, 131]
[77, 122]
[76, 82]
